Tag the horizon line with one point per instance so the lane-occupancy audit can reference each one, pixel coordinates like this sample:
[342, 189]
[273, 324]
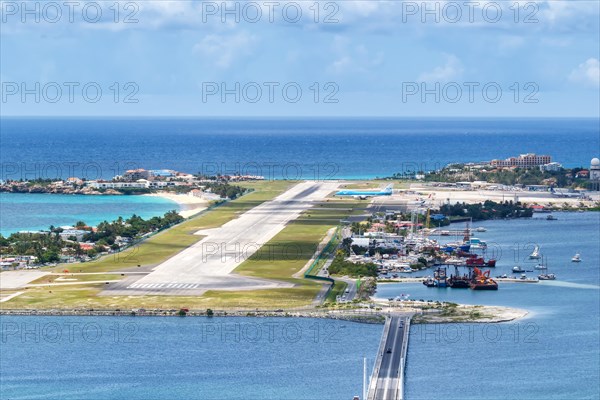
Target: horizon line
[296, 117]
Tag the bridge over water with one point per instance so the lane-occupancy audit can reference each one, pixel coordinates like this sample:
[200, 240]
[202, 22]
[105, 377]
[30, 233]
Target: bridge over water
[387, 380]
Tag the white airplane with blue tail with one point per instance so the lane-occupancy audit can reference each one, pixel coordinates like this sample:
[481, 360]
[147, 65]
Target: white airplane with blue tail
[364, 194]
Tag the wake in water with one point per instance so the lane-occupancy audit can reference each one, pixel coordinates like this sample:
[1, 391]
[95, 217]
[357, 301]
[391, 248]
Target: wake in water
[570, 285]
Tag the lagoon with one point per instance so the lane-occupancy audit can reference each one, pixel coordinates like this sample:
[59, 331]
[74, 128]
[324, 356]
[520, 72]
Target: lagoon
[31, 211]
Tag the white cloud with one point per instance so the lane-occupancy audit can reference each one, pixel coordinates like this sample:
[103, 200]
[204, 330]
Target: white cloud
[350, 58]
[452, 69]
[223, 50]
[511, 42]
[587, 73]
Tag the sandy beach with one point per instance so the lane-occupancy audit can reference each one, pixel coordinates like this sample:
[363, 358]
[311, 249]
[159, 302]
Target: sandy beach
[190, 205]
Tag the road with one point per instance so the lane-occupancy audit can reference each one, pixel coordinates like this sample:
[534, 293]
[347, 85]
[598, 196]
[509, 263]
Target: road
[208, 264]
[388, 380]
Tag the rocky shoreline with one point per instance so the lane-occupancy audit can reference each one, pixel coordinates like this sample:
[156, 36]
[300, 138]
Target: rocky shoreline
[39, 189]
[362, 316]
[421, 313]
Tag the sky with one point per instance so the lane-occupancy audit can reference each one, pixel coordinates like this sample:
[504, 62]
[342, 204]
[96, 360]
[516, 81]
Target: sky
[300, 58]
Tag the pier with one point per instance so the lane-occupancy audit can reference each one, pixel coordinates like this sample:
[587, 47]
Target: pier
[451, 232]
[387, 380]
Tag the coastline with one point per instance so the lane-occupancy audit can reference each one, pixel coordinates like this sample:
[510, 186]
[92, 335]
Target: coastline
[422, 313]
[189, 205]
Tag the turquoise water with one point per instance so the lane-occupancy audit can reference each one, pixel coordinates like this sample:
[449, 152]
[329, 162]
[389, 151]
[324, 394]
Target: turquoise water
[29, 211]
[552, 354]
[183, 358]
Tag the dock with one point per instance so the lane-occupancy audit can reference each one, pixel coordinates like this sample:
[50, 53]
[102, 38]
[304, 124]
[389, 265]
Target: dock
[387, 379]
[451, 232]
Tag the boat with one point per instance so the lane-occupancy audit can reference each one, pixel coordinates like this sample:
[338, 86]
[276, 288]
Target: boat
[481, 229]
[540, 266]
[477, 243]
[546, 277]
[429, 282]
[440, 277]
[479, 262]
[517, 268]
[524, 278]
[535, 254]
[455, 261]
[459, 282]
[453, 247]
[576, 258]
[449, 249]
[481, 281]
[464, 247]
[551, 218]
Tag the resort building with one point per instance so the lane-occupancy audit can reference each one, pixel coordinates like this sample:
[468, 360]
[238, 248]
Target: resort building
[551, 167]
[528, 160]
[133, 175]
[162, 173]
[76, 233]
[139, 184]
[115, 185]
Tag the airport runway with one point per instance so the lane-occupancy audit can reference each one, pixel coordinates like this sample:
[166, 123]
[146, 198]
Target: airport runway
[19, 278]
[208, 264]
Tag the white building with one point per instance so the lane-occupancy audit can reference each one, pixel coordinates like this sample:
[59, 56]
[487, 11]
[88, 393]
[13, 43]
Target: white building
[551, 167]
[139, 184]
[523, 161]
[78, 234]
[595, 174]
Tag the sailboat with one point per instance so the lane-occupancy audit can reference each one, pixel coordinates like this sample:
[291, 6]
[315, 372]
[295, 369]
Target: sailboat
[545, 276]
[535, 254]
[576, 258]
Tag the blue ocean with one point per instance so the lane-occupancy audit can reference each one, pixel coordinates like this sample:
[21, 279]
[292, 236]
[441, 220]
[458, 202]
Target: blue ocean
[311, 148]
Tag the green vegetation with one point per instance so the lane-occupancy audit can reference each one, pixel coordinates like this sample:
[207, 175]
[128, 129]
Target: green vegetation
[488, 210]
[399, 183]
[48, 247]
[133, 227]
[45, 247]
[338, 290]
[226, 190]
[507, 176]
[342, 267]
